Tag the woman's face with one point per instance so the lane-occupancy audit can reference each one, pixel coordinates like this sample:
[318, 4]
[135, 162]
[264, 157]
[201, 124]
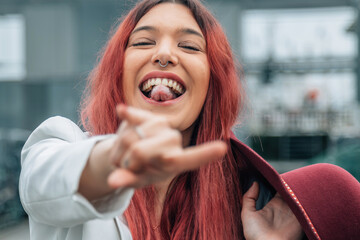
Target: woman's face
[167, 33]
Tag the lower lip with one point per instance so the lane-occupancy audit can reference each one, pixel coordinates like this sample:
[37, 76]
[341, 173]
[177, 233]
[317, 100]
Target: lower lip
[164, 103]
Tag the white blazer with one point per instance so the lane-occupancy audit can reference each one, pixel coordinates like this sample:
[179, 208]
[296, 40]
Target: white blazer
[52, 161]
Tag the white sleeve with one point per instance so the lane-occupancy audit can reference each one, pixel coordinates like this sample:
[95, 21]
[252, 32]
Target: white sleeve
[52, 161]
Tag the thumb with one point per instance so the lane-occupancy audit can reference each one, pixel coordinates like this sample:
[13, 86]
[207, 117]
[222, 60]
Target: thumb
[122, 178]
[250, 197]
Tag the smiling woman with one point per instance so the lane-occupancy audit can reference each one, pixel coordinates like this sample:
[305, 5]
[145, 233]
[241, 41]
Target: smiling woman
[179, 44]
[159, 160]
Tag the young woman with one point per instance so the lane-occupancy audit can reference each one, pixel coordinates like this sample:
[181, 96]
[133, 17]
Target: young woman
[165, 165]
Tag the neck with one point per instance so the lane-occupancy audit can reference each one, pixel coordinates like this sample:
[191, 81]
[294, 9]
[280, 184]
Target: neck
[162, 187]
[186, 135]
[161, 190]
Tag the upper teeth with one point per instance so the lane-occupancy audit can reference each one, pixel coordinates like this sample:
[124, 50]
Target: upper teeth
[175, 86]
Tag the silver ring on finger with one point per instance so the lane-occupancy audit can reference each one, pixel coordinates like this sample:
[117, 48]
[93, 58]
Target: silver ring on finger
[139, 132]
[125, 163]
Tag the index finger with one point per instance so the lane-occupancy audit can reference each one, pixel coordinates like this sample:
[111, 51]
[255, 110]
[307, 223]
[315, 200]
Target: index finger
[133, 115]
[194, 157]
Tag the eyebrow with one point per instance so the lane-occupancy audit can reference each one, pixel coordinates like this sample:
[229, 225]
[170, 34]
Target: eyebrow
[182, 30]
[143, 28]
[190, 31]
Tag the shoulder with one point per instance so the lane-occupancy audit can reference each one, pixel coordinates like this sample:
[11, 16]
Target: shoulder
[59, 127]
[55, 128]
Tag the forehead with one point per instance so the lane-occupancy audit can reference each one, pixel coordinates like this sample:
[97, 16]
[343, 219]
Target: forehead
[169, 15]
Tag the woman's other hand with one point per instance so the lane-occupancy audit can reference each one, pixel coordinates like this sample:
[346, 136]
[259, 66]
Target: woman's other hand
[274, 221]
[148, 150]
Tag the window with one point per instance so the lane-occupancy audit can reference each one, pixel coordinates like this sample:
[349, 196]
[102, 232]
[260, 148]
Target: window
[12, 47]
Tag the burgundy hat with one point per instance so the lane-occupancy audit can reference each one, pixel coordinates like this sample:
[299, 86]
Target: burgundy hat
[324, 198]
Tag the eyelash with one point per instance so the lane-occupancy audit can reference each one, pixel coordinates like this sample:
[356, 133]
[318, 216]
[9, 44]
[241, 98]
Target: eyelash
[142, 44]
[192, 48]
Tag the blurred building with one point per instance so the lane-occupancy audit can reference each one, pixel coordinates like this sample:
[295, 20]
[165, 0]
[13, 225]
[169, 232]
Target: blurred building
[301, 71]
[300, 59]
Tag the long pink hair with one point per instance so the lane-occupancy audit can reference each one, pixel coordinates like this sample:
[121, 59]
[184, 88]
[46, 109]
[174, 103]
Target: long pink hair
[202, 204]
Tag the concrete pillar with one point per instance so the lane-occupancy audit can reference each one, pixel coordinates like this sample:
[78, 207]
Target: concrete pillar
[228, 14]
[50, 41]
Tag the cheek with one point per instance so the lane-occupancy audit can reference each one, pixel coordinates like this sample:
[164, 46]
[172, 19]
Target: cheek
[204, 79]
[126, 72]
[128, 77]
[202, 86]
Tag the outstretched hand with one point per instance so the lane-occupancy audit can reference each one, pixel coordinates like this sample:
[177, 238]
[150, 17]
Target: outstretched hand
[156, 153]
[274, 221]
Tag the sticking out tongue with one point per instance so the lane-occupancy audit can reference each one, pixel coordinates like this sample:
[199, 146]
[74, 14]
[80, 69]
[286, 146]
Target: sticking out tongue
[162, 93]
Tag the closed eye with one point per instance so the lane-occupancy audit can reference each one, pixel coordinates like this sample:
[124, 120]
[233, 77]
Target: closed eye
[190, 48]
[142, 44]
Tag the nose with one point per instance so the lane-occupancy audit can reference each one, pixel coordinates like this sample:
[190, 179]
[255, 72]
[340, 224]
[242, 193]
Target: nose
[165, 54]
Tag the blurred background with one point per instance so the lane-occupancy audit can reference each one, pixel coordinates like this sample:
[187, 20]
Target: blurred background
[300, 58]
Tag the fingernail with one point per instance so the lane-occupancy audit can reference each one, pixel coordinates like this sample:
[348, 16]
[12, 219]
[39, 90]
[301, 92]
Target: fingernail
[120, 107]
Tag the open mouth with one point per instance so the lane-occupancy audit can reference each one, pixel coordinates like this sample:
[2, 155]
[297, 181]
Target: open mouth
[162, 89]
